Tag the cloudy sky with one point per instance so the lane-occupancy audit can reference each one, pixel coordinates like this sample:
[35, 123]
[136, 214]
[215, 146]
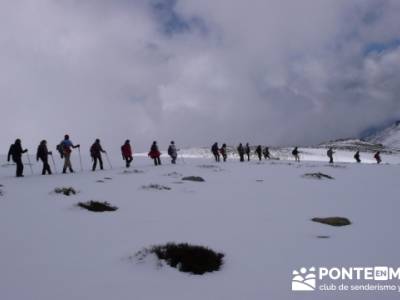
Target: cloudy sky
[197, 71]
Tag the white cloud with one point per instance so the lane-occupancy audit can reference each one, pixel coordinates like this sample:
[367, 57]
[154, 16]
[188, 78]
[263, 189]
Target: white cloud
[278, 72]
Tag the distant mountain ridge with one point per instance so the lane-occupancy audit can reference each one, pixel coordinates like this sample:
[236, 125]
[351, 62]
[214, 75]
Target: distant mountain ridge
[388, 137]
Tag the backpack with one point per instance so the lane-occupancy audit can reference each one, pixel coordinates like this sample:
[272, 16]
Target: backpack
[60, 149]
[295, 152]
[170, 150]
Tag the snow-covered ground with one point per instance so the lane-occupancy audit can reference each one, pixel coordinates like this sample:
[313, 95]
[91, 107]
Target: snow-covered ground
[258, 214]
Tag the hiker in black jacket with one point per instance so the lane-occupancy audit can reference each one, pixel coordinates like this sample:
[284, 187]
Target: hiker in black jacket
[295, 154]
[266, 153]
[223, 152]
[95, 153]
[259, 152]
[357, 156]
[247, 151]
[15, 153]
[43, 154]
[330, 153]
[377, 157]
[215, 151]
[240, 151]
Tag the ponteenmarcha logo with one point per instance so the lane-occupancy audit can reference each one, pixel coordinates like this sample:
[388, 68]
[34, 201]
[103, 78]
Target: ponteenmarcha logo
[378, 278]
[304, 280]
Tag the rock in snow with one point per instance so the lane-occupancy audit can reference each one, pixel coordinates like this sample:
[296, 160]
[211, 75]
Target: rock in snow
[333, 221]
[193, 178]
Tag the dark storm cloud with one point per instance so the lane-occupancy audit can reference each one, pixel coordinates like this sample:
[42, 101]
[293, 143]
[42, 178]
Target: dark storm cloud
[277, 72]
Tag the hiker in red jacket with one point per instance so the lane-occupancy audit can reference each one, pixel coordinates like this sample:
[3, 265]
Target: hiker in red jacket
[155, 153]
[223, 152]
[126, 151]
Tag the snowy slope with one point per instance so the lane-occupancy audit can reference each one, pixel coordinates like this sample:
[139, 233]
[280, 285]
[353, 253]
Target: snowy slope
[258, 214]
[389, 137]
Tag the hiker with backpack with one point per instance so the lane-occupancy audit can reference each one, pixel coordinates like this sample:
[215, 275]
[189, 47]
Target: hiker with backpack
[223, 152]
[377, 157]
[126, 151]
[215, 151]
[247, 151]
[296, 155]
[330, 153]
[172, 152]
[259, 152]
[43, 154]
[155, 154]
[357, 157]
[15, 152]
[240, 151]
[95, 153]
[65, 149]
[266, 153]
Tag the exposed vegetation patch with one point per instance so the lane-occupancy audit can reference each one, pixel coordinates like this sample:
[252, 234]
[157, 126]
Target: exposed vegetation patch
[107, 178]
[67, 191]
[323, 236]
[333, 221]
[208, 166]
[211, 167]
[96, 206]
[6, 165]
[134, 171]
[185, 257]
[158, 187]
[336, 166]
[318, 175]
[193, 178]
[174, 175]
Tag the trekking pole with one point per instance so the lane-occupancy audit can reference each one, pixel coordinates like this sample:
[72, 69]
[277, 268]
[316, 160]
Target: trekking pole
[108, 160]
[183, 160]
[29, 162]
[54, 163]
[80, 158]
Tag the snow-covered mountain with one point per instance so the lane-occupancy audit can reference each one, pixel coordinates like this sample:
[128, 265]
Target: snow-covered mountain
[353, 145]
[388, 137]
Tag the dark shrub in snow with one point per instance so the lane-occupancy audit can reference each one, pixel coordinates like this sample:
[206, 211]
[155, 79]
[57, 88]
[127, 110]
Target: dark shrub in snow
[97, 206]
[187, 258]
[193, 178]
[67, 191]
[333, 221]
[317, 176]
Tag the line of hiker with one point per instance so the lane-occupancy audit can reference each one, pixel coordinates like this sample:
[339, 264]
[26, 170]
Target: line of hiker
[260, 152]
[357, 156]
[66, 146]
[155, 153]
[241, 150]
